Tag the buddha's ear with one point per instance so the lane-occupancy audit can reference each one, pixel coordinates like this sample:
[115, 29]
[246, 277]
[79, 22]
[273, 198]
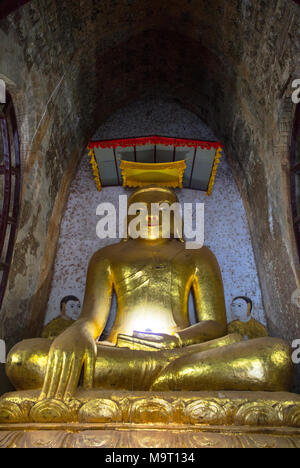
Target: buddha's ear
[249, 305]
[179, 233]
[125, 227]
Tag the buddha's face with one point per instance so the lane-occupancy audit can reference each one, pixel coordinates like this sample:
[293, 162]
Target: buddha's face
[149, 214]
[72, 309]
[240, 310]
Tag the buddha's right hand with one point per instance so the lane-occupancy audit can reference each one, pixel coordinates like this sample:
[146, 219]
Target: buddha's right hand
[72, 350]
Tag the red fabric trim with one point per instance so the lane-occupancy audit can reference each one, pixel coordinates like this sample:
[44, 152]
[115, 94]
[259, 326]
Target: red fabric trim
[154, 140]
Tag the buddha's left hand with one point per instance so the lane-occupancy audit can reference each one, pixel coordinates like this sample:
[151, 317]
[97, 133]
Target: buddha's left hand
[159, 340]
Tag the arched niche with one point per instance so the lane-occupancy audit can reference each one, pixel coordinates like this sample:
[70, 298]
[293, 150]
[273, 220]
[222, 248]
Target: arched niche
[226, 228]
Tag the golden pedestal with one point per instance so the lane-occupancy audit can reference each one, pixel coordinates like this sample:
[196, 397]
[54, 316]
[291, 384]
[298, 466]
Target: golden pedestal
[154, 420]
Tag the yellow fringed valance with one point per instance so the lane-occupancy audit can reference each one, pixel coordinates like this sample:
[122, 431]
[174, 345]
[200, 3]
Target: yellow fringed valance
[142, 174]
[95, 169]
[214, 171]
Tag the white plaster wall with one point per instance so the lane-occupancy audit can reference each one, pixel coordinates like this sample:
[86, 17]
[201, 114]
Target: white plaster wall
[226, 228]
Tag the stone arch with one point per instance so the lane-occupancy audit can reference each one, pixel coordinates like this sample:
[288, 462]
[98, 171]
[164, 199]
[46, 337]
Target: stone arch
[189, 52]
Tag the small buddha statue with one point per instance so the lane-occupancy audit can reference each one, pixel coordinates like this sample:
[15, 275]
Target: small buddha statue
[244, 323]
[152, 345]
[69, 311]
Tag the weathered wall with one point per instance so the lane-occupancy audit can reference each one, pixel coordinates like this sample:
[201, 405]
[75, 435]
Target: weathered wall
[74, 63]
[226, 228]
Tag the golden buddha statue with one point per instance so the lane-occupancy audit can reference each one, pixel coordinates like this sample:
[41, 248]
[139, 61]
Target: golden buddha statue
[152, 345]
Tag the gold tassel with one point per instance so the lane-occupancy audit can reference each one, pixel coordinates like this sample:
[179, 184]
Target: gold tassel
[214, 171]
[95, 169]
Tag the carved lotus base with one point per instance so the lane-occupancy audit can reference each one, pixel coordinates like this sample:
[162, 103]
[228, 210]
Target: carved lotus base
[144, 419]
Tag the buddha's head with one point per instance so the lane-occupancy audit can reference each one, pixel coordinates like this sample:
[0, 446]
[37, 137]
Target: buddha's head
[70, 307]
[241, 308]
[154, 213]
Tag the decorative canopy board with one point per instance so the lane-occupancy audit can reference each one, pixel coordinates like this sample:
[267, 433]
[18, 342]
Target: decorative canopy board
[169, 174]
[166, 161]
